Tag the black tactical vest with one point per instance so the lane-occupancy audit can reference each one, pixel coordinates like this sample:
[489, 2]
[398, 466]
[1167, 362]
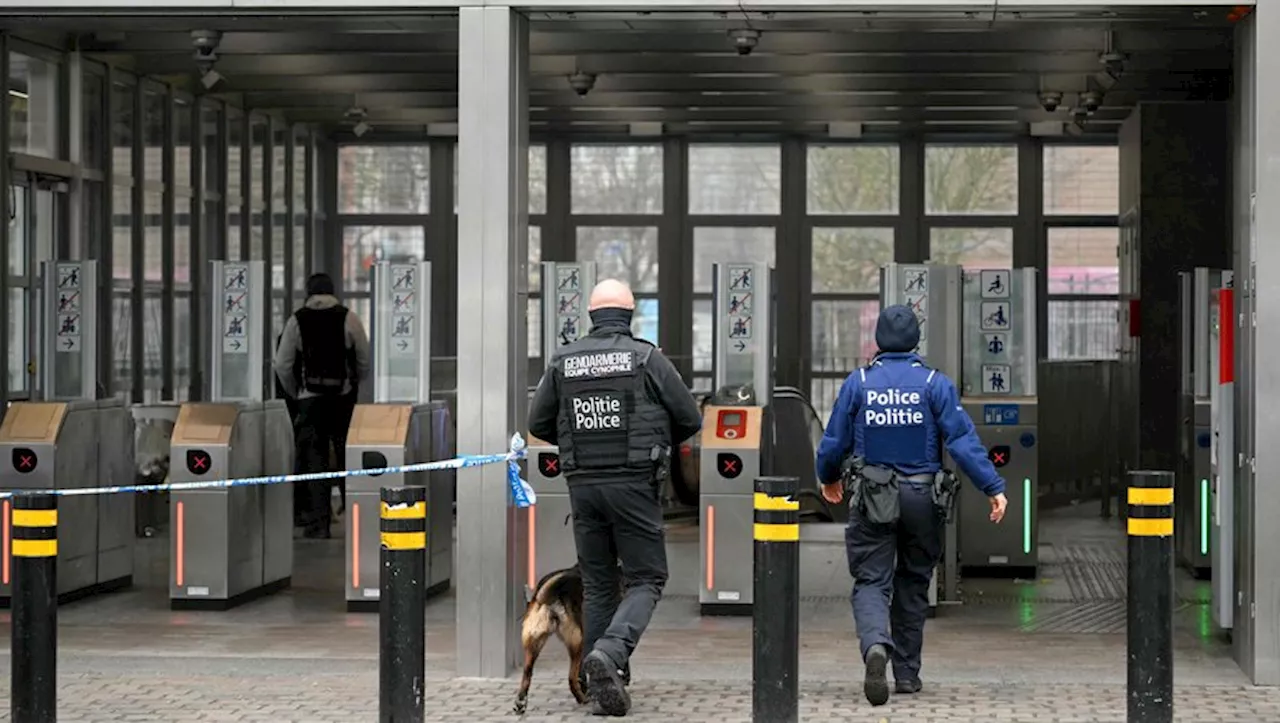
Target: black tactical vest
[325, 357]
[608, 419]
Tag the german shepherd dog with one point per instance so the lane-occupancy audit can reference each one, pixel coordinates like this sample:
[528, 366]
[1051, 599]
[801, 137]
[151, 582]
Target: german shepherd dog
[556, 609]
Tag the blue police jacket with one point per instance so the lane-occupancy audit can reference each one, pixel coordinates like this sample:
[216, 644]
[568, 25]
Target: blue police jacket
[891, 414]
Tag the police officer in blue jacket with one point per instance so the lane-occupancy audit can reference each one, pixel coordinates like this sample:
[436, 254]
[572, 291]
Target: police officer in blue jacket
[888, 426]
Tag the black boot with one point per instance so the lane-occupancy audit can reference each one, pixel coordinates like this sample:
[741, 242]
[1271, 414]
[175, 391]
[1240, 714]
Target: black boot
[605, 687]
[876, 686]
[906, 686]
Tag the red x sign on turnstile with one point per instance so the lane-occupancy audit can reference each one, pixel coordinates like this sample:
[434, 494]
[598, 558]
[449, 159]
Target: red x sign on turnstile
[549, 464]
[730, 465]
[24, 460]
[197, 461]
[999, 456]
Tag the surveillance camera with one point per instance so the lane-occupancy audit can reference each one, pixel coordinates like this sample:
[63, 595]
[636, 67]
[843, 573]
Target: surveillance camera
[582, 83]
[744, 40]
[1050, 100]
[1091, 101]
[206, 39]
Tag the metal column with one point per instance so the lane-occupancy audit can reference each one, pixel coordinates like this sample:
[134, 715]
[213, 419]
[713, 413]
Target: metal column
[492, 369]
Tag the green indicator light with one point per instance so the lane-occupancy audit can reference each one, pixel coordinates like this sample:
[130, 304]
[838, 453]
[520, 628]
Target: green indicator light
[1026, 516]
[1204, 517]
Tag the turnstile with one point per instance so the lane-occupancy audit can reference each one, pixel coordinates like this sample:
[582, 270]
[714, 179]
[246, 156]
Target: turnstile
[1193, 504]
[551, 543]
[998, 391]
[932, 292]
[1008, 431]
[230, 544]
[730, 461]
[566, 291]
[392, 435]
[74, 445]
[1223, 458]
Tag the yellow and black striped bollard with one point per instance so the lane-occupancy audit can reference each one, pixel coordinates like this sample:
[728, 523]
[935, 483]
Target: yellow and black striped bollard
[775, 629]
[1150, 597]
[34, 638]
[402, 581]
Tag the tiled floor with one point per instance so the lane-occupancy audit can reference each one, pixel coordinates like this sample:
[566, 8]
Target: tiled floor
[1047, 649]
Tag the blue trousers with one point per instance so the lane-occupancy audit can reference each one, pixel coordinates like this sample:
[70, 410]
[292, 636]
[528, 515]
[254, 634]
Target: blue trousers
[891, 567]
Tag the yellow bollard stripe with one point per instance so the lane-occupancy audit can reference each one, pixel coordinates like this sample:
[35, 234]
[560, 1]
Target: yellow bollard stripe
[35, 548]
[35, 518]
[404, 540]
[1150, 495]
[1151, 527]
[765, 532]
[416, 511]
[766, 502]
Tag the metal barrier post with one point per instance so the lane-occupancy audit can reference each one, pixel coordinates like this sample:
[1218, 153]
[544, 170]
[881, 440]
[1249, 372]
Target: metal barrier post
[775, 629]
[1150, 514]
[34, 638]
[401, 626]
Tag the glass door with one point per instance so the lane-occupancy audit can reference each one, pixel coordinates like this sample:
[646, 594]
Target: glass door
[37, 219]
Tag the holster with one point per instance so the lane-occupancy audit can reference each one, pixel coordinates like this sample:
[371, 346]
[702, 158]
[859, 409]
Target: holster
[945, 487]
[873, 491]
[661, 458]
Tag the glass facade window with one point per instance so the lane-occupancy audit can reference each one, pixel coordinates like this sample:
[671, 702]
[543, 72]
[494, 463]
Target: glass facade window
[183, 142]
[384, 179]
[1082, 180]
[153, 141]
[364, 246]
[974, 248]
[122, 128]
[848, 260]
[735, 179]
[971, 180]
[626, 253]
[34, 119]
[847, 180]
[615, 179]
[93, 129]
[299, 172]
[210, 123]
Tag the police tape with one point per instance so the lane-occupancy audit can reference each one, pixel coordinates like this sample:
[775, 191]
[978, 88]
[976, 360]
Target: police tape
[522, 494]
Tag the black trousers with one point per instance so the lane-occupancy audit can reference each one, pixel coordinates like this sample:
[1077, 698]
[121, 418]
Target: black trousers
[320, 435]
[618, 521]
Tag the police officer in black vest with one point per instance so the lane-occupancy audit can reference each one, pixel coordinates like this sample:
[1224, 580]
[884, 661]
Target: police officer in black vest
[615, 406]
[322, 357]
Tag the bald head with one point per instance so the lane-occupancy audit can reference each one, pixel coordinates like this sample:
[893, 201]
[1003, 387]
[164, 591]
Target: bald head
[611, 294]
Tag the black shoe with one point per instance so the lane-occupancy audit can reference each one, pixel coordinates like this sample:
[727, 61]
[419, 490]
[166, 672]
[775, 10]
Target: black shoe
[907, 686]
[605, 687]
[876, 686]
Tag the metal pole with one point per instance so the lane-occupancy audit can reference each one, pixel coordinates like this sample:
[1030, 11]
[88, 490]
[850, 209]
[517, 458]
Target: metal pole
[775, 629]
[1150, 597]
[34, 638]
[401, 625]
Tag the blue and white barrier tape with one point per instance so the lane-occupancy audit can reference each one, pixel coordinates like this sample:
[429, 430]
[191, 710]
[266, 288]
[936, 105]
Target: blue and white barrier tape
[521, 493]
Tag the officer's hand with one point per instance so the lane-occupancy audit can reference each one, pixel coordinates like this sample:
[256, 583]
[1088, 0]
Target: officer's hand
[998, 503]
[833, 492]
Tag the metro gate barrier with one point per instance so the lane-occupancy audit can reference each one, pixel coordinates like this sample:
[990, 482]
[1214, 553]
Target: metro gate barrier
[566, 291]
[70, 445]
[232, 544]
[388, 435]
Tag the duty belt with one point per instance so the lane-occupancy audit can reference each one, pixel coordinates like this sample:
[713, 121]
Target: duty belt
[925, 478]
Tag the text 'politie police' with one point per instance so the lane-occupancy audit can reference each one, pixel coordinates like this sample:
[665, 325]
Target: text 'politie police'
[893, 408]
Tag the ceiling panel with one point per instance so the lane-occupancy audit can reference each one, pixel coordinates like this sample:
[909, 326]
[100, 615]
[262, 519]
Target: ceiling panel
[892, 69]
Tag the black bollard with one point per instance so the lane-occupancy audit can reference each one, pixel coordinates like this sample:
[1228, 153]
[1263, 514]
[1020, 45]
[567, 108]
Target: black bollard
[402, 631]
[34, 638]
[775, 633]
[1150, 597]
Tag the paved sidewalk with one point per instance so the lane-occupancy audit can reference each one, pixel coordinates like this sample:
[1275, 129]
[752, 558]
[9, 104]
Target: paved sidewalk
[123, 696]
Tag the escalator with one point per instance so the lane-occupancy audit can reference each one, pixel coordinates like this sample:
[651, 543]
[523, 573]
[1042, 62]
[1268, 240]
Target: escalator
[792, 437]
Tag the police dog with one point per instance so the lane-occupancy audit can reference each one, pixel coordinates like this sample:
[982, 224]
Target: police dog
[556, 609]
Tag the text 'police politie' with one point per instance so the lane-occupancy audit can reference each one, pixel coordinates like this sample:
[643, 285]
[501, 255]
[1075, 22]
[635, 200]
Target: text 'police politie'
[892, 408]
